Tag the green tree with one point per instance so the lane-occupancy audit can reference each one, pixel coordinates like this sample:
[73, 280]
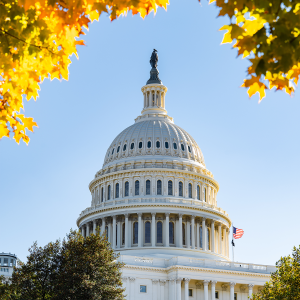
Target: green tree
[75, 269]
[285, 282]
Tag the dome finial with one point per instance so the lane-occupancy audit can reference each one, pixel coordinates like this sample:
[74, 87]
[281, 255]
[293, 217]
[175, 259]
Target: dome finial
[154, 72]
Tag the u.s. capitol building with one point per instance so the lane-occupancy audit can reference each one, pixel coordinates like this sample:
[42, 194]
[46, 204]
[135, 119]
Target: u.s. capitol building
[157, 203]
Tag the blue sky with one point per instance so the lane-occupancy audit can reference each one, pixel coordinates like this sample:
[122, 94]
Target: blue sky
[252, 149]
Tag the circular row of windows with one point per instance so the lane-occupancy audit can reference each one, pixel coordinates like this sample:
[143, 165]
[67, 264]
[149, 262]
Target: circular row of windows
[149, 145]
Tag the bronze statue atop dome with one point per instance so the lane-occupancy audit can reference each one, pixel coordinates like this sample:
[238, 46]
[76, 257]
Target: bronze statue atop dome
[154, 72]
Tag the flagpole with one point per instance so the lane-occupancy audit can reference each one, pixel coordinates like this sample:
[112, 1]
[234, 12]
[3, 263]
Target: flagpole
[232, 245]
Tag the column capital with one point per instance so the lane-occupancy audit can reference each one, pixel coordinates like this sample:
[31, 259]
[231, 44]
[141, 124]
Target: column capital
[167, 214]
[126, 215]
[250, 285]
[131, 278]
[114, 217]
[187, 279]
[162, 282]
[155, 281]
[139, 215]
[178, 280]
[125, 278]
[180, 215]
[206, 282]
[203, 219]
[232, 284]
[153, 214]
[193, 217]
[224, 287]
[214, 282]
[199, 285]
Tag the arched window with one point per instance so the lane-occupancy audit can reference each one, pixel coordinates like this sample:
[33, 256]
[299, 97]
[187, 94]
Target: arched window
[180, 186]
[102, 194]
[118, 149]
[108, 192]
[201, 237]
[198, 192]
[175, 146]
[147, 187]
[113, 150]
[132, 146]
[135, 232]
[147, 232]
[170, 187]
[182, 147]
[137, 188]
[189, 149]
[183, 234]
[208, 238]
[190, 190]
[159, 236]
[123, 234]
[124, 147]
[149, 144]
[117, 190]
[205, 195]
[171, 232]
[167, 145]
[157, 144]
[158, 191]
[140, 145]
[126, 189]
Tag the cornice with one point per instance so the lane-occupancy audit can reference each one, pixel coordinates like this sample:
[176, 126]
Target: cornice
[107, 176]
[196, 269]
[152, 205]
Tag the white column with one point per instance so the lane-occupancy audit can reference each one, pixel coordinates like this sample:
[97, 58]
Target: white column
[178, 288]
[186, 288]
[250, 286]
[205, 284]
[204, 234]
[180, 230]
[126, 231]
[153, 230]
[188, 234]
[114, 232]
[150, 99]
[227, 240]
[167, 239]
[162, 289]
[224, 241]
[212, 235]
[193, 232]
[103, 226]
[198, 235]
[144, 99]
[132, 288]
[94, 226]
[220, 238]
[119, 234]
[125, 286]
[87, 230]
[154, 289]
[232, 284]
[213, 290]
[140, 229]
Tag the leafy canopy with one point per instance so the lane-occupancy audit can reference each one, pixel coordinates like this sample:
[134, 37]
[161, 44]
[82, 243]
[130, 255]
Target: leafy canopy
[37, 39]
[267, 32]
[285, 282]
[78, 269]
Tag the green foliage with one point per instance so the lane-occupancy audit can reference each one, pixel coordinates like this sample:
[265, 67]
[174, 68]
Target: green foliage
[285, 282]
[76, 269]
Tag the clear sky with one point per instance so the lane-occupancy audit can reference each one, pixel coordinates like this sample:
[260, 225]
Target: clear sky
[252, 149]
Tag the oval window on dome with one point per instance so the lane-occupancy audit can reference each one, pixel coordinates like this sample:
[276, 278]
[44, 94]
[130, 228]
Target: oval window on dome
[157, 144]
[189, 149]
[113, 150]
[118, 149]
[124, 147]
[182, 147]
[140, 145]
[132, 146]
[175, 146]
[167, 145]
[149, 144]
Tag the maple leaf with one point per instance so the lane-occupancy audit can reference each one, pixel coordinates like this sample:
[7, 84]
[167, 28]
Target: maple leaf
[254, 86]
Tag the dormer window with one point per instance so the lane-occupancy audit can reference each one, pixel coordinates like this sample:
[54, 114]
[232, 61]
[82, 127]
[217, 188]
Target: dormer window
[149, 144]
[182, 147]
[175, 146]
[140, 145]
[132, 146]
[167, 145]
[112, 152]
[118, 149]
[124, 147]
[157, 144]
[189, 149]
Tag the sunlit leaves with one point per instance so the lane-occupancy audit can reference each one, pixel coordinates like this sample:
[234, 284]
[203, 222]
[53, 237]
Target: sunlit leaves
[267, 32]
[37, 39]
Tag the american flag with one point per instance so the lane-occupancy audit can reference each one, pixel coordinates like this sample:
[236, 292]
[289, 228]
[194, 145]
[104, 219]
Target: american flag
[237, 233]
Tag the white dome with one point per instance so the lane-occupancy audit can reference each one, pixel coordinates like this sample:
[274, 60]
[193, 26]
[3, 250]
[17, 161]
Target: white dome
[155, 138]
